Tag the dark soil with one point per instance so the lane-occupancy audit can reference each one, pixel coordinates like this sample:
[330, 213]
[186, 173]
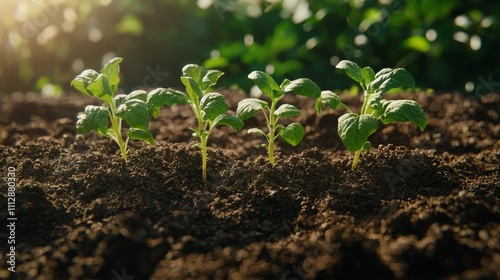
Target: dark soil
[421, 205]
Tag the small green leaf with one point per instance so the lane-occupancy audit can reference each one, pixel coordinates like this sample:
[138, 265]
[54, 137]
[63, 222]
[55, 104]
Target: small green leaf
[82, 81]
[375, 105]
[193, 89]
[135, 113]
[161, 97]
[386, 80]
[138, 95]
[331, 99]
[100, 88]
[368, 76]
[112, 71]
[352, 70]
[256, 131]
[119, 99]
[293, 133]
[304, 87]
[266, 84]
[139, 134]
[403, 111]
[284, 84]
[212, 105]
[229, 120]
[248, 107]
[383, 71]
[211, 78]
[367, 146]
[319, 105]
[354, 130]
[287, 110]
[195, 72]
[94, 118]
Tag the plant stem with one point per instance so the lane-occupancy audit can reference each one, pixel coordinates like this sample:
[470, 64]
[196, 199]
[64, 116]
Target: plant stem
[204, 140]
[121, 144]
[357, 154]
[116, 124]
[272, 128]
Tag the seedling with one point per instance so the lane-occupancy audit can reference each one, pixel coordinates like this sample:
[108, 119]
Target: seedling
[107, 119]
[294, 132]
[209, 107]
[355, 129]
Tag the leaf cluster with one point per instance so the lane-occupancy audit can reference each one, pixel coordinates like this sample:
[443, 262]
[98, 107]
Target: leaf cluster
[354, 129]
[247, 108]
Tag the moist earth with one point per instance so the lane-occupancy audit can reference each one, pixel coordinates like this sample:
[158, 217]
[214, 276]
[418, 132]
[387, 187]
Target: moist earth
[421, 205]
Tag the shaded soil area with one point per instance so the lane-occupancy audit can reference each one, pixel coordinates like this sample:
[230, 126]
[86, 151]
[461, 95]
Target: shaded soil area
[421, 205]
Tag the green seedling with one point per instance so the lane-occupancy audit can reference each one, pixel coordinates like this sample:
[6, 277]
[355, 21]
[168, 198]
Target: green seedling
[107, 119]
[354, 129]
[209, 107]
[294, 132]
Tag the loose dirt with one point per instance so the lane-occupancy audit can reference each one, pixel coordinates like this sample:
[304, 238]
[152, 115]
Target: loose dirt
[421, 205]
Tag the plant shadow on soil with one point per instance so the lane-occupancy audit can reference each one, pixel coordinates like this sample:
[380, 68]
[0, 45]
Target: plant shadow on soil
[425, 206]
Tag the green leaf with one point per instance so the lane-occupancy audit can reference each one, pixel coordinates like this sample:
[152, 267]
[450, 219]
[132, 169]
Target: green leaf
[256, 131]
[211, 78]
[161, 97]
[135, 113]
[94, 118]
[112, 71]
[266, 84]
[368, 76]
[248, 107]
[331, 99]
[139, 134]
[367, 146]
[229, 120]
[195, 72]
[304, 87]
[284, 84]
[375, 105]
[138, 95]
[286, 110]
[293, 133]
[119, 99]
[193, 89]
[403, 111]
[354, 130]
[386, 80]
[82, 81]
[100, 88]
[212, 105]
[383, 71]
[352, 70]
[318, 105]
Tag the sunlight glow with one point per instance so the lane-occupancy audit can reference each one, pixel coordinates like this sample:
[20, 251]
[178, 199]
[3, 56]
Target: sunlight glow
[461, 37]
[431, 35]
[475, 42]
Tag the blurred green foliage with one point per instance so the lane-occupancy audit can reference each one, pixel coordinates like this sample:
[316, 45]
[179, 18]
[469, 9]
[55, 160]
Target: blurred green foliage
[447, 45]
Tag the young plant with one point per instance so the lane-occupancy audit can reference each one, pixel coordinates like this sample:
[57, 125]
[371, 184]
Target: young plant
[294, 132]
[209, 107]
[107, 119]
[354, 129]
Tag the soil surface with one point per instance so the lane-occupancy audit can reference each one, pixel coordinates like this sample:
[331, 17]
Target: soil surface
[421, 205]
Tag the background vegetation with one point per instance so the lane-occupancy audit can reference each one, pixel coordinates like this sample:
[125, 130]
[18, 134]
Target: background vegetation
[447, 45]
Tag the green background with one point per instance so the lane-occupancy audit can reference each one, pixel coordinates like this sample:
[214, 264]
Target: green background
[447, 45]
